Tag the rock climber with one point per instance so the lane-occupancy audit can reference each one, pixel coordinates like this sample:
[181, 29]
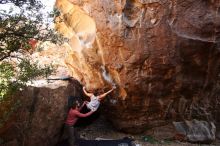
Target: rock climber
[94, 102]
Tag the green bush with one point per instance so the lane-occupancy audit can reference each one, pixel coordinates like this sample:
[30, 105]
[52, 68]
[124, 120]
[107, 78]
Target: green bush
[16, 31]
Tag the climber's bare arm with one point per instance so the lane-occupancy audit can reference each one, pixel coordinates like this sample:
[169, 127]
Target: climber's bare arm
[101, 97]
[87, 93]
[84, 103]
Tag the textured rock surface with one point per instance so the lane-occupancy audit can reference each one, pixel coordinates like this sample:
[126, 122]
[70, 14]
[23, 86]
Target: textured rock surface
[40, 117]
[42, 108]
[196, 131]
[12, 143]
[163, 55]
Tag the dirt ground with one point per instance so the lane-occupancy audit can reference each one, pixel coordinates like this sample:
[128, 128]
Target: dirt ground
[101, 129]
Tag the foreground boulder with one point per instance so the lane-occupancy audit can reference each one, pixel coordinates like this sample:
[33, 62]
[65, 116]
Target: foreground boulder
[41, 114]
[196, 131]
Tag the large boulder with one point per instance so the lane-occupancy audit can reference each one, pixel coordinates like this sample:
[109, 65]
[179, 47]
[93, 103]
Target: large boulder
[35, 115]
[162, 54]
[196, 131]
[40, 116]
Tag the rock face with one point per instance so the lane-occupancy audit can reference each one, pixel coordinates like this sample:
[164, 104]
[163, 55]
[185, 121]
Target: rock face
[196, 131]
[39, 119]
[162, 54]
[34, 116]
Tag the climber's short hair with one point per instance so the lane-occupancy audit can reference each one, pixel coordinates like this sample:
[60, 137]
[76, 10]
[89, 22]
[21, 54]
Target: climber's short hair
[75, 104]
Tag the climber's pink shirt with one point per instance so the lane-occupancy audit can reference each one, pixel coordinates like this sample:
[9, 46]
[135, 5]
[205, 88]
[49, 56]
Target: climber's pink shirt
[74, 115]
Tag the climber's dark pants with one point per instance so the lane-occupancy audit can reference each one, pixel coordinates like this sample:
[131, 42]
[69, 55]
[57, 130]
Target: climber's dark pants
[72, 135]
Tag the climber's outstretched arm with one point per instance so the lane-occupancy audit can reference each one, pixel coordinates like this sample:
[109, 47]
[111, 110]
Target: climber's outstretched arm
[87, 93]
[101, 97]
